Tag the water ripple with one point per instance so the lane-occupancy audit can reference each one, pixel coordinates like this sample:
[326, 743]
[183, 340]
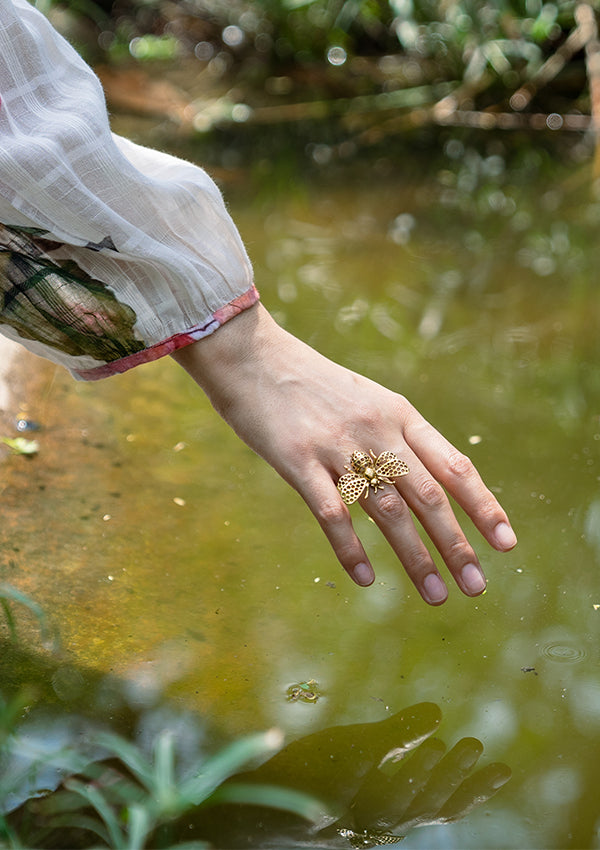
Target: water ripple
[564, 653]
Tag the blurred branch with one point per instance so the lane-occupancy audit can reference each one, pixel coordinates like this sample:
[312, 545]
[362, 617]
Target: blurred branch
[586, 17]
[583, 33]
[371, 118]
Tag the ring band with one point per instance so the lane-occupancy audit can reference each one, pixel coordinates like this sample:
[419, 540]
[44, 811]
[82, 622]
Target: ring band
[367, 470]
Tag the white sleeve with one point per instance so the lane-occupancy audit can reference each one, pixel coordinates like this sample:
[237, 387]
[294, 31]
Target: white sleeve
[111, 254]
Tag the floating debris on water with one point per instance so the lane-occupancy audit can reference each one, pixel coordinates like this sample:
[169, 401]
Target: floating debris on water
[21, 446]
[304, 692]
[24, 424]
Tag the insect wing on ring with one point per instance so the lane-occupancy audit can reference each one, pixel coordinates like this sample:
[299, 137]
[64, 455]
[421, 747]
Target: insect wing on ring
[389, 465]
[351, 486]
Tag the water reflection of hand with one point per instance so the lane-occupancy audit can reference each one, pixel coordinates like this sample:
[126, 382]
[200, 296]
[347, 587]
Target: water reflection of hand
[378, 778]
[429, 788]
[306, 415]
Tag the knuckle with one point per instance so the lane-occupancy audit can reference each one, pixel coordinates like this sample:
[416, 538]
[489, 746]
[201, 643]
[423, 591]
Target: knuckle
[367, 416]
[431, 494]
[418, 561]
[331, 512]
[460, 465]
[390, 506]
[457, 550]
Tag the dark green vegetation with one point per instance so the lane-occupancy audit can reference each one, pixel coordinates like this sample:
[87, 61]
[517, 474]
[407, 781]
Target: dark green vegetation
[356, 75]
[66, 781]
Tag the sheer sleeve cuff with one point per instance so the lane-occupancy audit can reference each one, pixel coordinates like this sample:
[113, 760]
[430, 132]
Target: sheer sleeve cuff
[111, 254]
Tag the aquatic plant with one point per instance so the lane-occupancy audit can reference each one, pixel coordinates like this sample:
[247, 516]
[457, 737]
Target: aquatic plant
[66, 781]
[9, 595]
[124, 798]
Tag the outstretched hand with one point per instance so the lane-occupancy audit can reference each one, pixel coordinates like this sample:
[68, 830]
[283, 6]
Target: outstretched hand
[376, 782]
[306, 415]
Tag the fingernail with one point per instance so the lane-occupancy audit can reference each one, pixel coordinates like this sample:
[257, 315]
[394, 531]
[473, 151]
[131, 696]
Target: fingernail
[435, 589]
[473, 579]
[363, 574]
[505, 536]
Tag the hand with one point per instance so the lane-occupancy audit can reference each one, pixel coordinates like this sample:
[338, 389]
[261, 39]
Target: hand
[306, 415]
[374, 779]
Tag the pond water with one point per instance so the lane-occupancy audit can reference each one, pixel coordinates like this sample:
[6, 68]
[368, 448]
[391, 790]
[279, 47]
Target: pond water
[174, 560]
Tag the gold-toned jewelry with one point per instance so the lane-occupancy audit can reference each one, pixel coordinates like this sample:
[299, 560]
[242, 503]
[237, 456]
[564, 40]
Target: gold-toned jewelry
[366, 471]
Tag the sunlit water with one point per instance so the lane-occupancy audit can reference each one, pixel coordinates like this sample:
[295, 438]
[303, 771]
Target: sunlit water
[171, 557]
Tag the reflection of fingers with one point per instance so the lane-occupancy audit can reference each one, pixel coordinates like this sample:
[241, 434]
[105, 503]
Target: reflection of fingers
[445, 779]
[390, 512]
[382, 801]
[427, 499]
[333, 516]
[474, 790]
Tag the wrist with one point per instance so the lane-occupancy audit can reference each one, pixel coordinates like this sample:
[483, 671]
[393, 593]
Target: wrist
[226, 359]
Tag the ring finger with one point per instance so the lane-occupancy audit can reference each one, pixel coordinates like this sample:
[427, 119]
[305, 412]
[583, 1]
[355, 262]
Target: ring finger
[391, 514]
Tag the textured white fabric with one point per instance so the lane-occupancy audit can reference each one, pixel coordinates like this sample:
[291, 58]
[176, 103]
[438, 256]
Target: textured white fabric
[152, 228]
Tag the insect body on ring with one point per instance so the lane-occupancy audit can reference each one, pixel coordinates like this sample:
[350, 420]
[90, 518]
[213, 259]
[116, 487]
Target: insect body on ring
[367, 470]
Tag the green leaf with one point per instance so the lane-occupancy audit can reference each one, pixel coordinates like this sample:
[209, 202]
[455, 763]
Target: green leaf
[221, 766]
[96, 800]
[140, 823]
[130, 756]
[21, 446]
[7, 591]
[272, 796]
[164, 769]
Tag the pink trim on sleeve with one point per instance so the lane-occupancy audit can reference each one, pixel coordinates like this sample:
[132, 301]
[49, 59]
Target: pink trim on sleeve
[168, 346]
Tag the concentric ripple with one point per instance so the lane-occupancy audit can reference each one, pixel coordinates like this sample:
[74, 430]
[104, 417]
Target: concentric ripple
[564, 653]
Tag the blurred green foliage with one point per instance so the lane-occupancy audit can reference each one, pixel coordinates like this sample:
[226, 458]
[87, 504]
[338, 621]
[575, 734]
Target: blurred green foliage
[418, 41]
[348, 74]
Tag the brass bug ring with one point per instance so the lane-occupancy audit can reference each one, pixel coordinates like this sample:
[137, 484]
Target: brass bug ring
[366, 471]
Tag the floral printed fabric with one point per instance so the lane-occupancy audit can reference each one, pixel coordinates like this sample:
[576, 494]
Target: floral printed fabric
[111, 254]
[59, 304]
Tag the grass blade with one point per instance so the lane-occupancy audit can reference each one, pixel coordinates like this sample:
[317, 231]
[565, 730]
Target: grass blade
[271, 796]
[10, 620]
[7, 591]
[139, 825]
[130, 755]
[164, 769]
[221, 766]
[93, 796]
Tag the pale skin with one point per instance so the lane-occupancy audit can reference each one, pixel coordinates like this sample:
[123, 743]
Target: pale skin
[305, 415]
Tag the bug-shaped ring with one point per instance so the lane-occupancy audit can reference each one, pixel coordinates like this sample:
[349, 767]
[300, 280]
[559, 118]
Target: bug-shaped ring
[367, 470]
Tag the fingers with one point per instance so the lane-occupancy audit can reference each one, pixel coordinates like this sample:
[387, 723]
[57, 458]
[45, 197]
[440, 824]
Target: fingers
[427, 499]
[391, 514]
[435, 466]
[458, 475]
[333, 516]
